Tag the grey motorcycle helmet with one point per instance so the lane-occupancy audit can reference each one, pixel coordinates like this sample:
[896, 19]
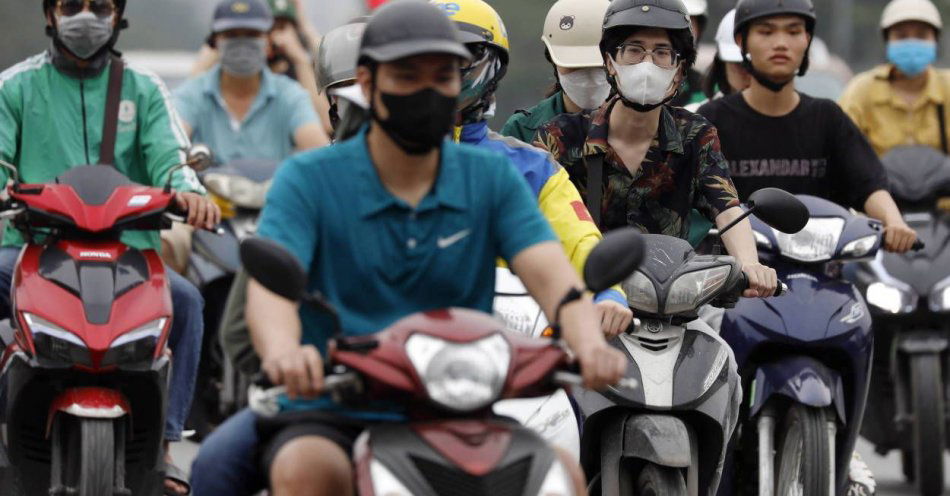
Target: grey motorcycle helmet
[339, 51]
[671, 15]
[624, 16]
[409, 28]
[748, 11]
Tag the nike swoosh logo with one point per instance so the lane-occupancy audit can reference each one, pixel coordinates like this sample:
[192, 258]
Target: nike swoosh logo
[451, 240]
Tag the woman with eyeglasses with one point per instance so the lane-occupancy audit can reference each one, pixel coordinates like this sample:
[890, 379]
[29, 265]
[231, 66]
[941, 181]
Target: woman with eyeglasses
[654, 162]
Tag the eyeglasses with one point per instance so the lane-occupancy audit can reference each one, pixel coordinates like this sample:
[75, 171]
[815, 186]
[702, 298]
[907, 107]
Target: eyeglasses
[101, 8]
[633, 53]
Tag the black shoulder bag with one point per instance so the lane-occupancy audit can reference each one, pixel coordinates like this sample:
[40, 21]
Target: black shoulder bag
[595, 186]
[110, 122]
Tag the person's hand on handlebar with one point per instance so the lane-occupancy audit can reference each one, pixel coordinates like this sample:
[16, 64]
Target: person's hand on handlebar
[899, 237]
[601, 364]
[762, 280]
[202, 212]
[298, 368]
[615, 318]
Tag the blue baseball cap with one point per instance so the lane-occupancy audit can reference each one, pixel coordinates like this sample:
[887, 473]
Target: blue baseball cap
[242, 14]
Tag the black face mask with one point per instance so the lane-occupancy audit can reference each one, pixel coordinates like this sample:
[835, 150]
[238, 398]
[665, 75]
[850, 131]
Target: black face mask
[417, 122]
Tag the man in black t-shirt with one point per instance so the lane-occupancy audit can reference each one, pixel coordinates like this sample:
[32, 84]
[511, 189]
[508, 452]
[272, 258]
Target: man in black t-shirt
[774, 136]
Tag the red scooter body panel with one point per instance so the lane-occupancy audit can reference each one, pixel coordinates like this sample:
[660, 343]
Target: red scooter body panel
[62, 200]
[389, 372]
[472, 445]
[40, 296]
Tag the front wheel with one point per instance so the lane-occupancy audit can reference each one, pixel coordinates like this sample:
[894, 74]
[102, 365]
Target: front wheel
[92, 472]
[928, 426]
[660, 481]
[804, 459]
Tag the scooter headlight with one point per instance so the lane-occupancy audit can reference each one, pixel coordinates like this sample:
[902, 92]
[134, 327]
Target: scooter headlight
[137, 346]
[860, 247]
[641, 294]
[891, 299]
[689, 290]
[238, 190]
[461, 377]
[55, 343]
[817, 242]
[557, 482]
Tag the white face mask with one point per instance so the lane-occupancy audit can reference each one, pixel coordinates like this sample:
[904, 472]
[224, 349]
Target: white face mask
[588, 88]
[644, 83]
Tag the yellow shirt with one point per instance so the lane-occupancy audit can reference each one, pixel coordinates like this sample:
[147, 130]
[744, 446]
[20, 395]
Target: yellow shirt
[887, 119]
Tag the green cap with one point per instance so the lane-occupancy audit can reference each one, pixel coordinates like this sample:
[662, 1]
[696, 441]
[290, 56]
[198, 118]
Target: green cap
[283, 9]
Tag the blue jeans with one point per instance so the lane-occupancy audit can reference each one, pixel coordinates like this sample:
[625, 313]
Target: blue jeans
[227, 464]
[184, 339]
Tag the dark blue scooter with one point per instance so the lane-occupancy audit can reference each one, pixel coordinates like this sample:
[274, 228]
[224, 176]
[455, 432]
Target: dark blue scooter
[804, 359]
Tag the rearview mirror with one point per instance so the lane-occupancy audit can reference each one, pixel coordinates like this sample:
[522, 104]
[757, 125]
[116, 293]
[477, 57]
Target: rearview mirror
[14, 172]
[274, 267]
[613, 259]
[199, 157]
[779, 209]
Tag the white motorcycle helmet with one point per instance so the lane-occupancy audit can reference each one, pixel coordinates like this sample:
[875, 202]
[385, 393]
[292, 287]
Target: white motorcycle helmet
[698, 9]
[572, 31]
[728, 50]
[898, 11]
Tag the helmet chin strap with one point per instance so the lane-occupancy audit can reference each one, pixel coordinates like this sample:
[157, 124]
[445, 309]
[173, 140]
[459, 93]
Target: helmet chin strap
[764, 80]
[639, 107]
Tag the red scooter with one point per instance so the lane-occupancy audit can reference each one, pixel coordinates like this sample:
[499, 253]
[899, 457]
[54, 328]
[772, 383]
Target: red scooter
[85, 370]
[447, 368]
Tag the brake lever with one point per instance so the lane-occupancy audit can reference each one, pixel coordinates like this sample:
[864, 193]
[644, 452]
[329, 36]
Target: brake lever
[174, 217]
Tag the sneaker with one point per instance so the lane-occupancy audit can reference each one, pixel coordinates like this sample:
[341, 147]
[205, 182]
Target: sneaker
[860, 479]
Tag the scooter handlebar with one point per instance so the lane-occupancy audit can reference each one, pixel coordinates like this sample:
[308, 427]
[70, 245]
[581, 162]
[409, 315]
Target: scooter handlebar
[570, 379]
[263, 395]
[176, 215]
[780, 290]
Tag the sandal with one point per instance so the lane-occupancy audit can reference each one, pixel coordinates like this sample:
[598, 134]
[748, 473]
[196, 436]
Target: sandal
[178, 476]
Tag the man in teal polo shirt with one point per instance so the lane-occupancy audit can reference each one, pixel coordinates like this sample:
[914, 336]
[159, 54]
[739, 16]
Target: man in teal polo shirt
[239, 108]
[393, 221]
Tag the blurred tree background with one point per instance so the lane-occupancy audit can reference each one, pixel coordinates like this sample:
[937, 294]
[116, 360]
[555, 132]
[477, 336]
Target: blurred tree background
[849, 27]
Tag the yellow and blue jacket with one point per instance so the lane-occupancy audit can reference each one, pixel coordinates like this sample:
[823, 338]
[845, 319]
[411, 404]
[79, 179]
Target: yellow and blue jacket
[557, 197]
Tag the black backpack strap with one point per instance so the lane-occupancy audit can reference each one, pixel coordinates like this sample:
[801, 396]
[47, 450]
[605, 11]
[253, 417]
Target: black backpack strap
[110, 122]
[595, 186]
[942, 119]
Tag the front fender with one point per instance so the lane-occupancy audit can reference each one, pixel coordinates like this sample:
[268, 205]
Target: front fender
[661, 439]
[802, 379]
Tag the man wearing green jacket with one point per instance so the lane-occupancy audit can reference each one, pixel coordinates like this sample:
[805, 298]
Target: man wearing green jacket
[51, 119]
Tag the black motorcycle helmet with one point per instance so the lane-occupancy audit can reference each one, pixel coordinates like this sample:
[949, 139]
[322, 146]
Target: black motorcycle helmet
[748, 11]
[625, 16]
[408, 28]
[109, 47]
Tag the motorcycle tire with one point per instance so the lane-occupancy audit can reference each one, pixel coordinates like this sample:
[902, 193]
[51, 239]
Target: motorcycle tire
[660, 481]
[803, 466]
[907, 466]
[94, 469]
[928, 426]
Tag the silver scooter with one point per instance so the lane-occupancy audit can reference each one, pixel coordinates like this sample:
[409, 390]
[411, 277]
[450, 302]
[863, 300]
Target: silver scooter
[670, 436]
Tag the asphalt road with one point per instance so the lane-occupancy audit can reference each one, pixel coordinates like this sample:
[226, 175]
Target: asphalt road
[887, 470]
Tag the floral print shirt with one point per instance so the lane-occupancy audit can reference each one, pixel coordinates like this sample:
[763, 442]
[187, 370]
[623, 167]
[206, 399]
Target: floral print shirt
[683, 169]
